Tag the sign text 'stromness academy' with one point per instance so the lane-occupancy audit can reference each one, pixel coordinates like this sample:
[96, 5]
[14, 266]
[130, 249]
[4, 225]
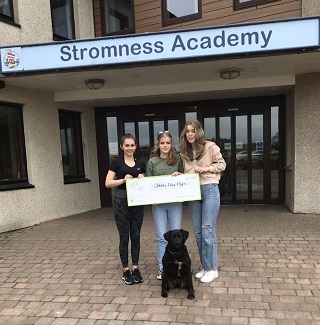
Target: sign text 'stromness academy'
[180, 43]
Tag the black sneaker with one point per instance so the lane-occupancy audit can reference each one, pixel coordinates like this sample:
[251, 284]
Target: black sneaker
[137, 278]
[127, 277]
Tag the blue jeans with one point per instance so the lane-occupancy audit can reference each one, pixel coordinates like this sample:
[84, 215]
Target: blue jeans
[204, 215]
[161, 213]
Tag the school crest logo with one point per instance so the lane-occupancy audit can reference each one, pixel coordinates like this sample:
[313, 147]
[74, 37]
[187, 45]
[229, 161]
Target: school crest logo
[11, 59]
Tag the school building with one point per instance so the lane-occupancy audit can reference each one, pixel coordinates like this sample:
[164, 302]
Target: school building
[84, 72]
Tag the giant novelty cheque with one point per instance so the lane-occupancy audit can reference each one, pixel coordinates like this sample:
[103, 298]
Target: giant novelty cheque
[163, 189]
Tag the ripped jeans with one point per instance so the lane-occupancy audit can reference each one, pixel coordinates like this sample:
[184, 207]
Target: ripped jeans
[204, 215]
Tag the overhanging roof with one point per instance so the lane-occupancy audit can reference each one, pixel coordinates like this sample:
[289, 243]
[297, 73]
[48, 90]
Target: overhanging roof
[265, 72]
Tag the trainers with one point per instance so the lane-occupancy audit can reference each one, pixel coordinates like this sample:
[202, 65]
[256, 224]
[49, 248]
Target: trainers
[209, 276]
[200, 274]
[159, 275]
[127, 277]
[137, 278]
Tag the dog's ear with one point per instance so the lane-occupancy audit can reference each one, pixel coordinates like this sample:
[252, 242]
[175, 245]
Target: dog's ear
[185, 234]
[167, 235]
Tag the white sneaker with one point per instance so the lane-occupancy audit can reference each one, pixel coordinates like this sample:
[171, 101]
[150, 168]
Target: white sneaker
[159, 275]
[209, 276]
[200, 274]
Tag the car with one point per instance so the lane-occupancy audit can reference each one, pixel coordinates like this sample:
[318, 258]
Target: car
[256, 159]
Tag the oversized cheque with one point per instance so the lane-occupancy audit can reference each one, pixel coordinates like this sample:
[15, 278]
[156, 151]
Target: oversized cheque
[163, 189]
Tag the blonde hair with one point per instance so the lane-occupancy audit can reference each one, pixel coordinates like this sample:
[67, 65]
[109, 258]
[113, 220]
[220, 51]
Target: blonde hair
[185, 147]
[172, 156]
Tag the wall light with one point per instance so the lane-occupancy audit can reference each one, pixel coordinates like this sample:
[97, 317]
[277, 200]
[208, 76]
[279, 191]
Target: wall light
[229, 73]
[94, 84]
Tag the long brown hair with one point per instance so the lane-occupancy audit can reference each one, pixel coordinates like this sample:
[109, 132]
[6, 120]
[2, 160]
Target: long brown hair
[172, 156]
[185, 147]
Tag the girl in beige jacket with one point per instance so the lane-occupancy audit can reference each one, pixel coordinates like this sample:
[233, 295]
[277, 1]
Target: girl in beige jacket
[203, 157]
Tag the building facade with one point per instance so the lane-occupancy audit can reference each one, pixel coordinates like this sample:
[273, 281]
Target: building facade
[85, 72]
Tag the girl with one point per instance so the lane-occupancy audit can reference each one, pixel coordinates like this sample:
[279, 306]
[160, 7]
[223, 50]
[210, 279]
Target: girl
[203, 157]
[164, 161]
[128, 219]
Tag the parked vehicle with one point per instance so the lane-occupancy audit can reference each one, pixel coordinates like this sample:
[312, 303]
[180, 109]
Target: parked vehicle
[256, 159]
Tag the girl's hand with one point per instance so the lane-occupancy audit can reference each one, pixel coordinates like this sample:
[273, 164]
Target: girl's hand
[200, 170]
[176, 174]
[140, 175]
[128, 176]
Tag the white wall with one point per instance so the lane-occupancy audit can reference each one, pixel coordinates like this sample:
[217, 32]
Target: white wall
[34, 17]
[51, 198]
[307, 144]
[290, 150]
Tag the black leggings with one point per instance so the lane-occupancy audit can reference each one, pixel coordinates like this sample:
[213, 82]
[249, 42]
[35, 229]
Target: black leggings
[129, 222]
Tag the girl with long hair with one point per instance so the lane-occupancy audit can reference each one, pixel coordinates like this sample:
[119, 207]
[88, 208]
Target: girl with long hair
[128, 219]
[164, 161]
[203, 157]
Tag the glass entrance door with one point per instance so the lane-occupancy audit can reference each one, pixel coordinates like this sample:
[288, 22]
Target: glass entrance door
[251, 146]
[249, 132]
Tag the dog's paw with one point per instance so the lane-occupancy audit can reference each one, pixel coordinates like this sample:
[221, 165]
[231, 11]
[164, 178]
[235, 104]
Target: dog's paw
[190, 296]
[164, 294]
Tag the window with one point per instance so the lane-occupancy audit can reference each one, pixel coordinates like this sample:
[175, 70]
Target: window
[175, 11]
[71, 147]
[6, 10]
[239, 4]
[62, 19]
[118, 17]
[13, 164]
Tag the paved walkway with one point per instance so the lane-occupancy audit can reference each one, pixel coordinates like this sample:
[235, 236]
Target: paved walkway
[67, 272]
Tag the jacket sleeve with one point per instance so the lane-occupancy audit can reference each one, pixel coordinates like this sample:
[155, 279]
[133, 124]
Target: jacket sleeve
[218, 163]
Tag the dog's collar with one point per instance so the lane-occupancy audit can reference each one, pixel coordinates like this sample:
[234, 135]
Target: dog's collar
[174, 253]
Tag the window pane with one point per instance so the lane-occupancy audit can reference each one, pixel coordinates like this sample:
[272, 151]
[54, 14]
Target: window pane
[62, 18]
[6, 8]
[209, 124]
[191, 116]
[157, 127]
[144, 140]
[130, 128]
[12, 149]
[225, 147]
[275, 150]
[112, 135]
[241, 157]
[71, 144]
[173, 127]
[257, 156]
[118, 15]
[238, 4]
[181, 8]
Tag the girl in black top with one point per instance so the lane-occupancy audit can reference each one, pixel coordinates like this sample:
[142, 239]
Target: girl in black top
[128, 219]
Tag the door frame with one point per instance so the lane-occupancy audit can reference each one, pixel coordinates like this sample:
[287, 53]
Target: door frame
[178, 111]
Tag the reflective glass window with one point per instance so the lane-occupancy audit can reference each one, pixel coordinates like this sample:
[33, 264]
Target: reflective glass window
[239, 4]
[180, 10]
[71, 146]
[118, 16]
[62, 19]
[13, 165]
[6, 9]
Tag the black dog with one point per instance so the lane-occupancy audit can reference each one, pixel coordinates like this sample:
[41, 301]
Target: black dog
[176, 264]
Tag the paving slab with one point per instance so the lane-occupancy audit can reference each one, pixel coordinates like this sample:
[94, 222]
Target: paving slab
[68, 272]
